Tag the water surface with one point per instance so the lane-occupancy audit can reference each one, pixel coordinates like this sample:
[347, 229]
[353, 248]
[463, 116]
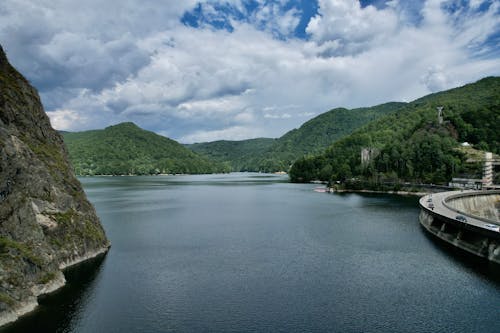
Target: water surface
[254, 253]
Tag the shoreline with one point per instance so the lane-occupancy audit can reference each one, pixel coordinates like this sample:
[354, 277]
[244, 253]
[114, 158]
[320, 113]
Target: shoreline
[281, 173]
[29, 305]
[90, 255]
[407, 193]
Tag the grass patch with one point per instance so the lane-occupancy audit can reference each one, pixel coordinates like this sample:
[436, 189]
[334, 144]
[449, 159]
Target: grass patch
[14, 248]
[74, 229]
[52, 156]
[65, 218]
[6, 299]
[92, 231]
[47, 277]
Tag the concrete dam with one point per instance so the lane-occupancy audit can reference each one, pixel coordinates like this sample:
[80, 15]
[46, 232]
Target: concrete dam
[468, 220]
[484, 205]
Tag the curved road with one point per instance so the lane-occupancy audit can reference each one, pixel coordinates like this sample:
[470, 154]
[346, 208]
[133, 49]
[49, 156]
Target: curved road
[435, 203]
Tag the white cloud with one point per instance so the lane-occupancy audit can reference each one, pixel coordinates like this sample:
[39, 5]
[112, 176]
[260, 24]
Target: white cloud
[306, 114]
[348, 28]
[435, 79]
[210, 107]
[282, 111]
[277, 116]
[246, 117]
[475, 3]
[275, 20]
[233, 133]
[203, 84]
[66, 120]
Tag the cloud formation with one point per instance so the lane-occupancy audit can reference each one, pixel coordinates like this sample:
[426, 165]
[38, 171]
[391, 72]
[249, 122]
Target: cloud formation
[345, 28]
[234, 69]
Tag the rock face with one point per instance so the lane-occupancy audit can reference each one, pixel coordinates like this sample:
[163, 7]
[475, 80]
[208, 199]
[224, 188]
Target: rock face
[46, 221]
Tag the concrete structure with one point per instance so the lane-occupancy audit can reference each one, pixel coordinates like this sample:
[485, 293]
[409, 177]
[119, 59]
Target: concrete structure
[439, 110]
[367, 155]
[466, 183]
[486, 182]
[488, 169]
[466, 219]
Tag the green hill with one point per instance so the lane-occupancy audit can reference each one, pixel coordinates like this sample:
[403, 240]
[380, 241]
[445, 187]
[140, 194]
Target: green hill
[127, 149]
[239, 155]
[410, 145]
[268, 155]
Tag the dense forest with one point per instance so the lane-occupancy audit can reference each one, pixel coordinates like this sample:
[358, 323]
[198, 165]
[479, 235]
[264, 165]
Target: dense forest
[270, 155]
[241, 155]
[412, 144]
[403, 142]
[127, 149]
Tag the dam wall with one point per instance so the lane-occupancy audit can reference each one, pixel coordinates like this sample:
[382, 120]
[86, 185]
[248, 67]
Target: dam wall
[481, 205]
[467, 220]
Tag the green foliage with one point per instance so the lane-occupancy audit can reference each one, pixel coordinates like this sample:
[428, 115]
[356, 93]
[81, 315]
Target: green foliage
[239, 155]
[270, 155]
[65, 218]
[411, 145]
[51, 155]
[126, 149]
[12, 248]
[93, 231]
[6, 299]
[73, 228]
[47, 277]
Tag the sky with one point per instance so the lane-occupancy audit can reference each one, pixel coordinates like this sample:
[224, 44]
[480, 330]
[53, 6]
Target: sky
[208, 70]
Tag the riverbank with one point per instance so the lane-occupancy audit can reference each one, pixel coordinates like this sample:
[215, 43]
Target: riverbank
[412, 189]
[331, 190]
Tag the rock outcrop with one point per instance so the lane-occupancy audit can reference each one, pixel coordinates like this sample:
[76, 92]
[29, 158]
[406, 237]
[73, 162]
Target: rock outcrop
[46, 221]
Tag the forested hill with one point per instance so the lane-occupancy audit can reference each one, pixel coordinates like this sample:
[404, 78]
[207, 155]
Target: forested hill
[127, 149]
[411, 144]
[268, 155]
[241, 155]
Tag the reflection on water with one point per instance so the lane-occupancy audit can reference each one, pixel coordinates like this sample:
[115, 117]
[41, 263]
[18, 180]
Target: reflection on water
[254, 253]
[485, 269]
[59, 311]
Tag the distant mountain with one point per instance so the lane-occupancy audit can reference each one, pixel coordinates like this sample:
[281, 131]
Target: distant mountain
[411, 144]
[241, 155]
[320, 132]
[127, 149]
[314, 136]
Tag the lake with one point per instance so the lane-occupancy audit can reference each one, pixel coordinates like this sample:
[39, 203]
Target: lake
[254, 253]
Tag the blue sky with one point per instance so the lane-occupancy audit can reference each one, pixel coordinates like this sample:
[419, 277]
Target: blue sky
[304, 10]
[235, 69]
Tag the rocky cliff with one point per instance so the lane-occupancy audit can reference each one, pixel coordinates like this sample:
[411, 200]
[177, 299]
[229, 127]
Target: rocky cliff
[46, 221]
